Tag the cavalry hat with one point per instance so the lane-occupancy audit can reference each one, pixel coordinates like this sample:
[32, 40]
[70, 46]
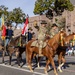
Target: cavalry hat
[54, 25]
[43, 22]
[30, 28]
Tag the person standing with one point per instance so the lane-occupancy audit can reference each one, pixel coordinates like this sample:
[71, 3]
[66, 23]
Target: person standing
[9, 34]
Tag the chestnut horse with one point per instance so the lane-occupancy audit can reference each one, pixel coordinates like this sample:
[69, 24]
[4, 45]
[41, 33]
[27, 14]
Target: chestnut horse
[62, 50]
[49, 51]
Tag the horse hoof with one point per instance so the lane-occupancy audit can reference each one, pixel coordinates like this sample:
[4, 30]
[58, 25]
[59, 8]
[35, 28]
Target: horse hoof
[38, 66]
[59, 70]
[55, 73]
[19, 66]
[31, 70]
[46, 73]
[49, 67]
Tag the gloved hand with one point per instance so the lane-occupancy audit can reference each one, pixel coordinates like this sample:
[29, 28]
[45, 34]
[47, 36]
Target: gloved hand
[12, 36]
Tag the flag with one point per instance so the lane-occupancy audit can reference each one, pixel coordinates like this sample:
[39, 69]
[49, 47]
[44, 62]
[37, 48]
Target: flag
[3, 28]
[2, 20]
[25, 29]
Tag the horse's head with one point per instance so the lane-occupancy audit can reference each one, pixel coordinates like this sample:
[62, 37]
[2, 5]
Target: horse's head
[70, 39]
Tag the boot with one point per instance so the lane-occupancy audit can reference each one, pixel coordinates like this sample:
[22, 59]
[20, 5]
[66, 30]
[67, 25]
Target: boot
[40, 52]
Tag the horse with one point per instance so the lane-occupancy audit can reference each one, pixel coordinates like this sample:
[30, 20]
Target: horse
[49, 51]
[2, 49]
[62, 50]
[14, 47]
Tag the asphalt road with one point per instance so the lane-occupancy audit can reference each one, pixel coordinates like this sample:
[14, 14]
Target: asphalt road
[6, 69]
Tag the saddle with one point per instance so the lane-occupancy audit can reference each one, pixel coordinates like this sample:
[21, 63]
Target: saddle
[36, 44]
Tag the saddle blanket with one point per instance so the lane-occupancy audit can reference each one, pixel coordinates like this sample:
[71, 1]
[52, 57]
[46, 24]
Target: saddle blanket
[35, 43]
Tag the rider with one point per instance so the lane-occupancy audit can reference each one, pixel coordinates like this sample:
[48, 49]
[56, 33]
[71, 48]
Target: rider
[29, 34]
[41, 35]
[9, 34]
[54, 30]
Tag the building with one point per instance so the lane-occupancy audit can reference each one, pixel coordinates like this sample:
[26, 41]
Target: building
[69, 16]
[70, 19]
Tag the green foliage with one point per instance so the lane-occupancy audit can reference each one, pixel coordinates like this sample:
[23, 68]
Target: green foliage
[42, 6]
[16, 15]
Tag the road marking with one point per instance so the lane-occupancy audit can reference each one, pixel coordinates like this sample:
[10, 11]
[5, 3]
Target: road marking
[21, 69]
[35, 68]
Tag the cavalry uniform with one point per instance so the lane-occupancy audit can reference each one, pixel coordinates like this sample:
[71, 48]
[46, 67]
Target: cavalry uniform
[41, 34]
[53, 32]
[41, 37]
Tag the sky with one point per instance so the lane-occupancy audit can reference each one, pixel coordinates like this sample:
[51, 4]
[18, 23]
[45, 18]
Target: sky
[26, 5]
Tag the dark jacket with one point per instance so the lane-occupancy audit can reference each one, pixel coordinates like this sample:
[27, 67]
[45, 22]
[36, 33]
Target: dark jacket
[29, 36]
[9, 33]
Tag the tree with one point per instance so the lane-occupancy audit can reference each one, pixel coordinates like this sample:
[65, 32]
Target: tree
[17, 16]
[4, 10]
[43, 6]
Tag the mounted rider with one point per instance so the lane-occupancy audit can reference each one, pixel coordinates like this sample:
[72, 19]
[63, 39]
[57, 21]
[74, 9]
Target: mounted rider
[41, 35]
[54, 30]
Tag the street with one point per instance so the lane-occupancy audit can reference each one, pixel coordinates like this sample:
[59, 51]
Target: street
[6, 69]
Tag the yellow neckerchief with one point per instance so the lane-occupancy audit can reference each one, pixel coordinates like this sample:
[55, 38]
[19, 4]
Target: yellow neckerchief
[61, 40]
[74, 40]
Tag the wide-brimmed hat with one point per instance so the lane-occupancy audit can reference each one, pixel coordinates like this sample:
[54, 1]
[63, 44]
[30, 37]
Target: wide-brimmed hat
[54, 24]
[9, 25]
[30, 28]
[43, 22]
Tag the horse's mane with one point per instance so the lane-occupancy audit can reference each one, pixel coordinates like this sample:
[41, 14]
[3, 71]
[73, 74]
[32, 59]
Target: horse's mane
[57, 38]
[16, 38]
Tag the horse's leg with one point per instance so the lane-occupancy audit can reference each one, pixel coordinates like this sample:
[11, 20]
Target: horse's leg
[36, 59]
[3, 56]
[59, 61]
[53, 64]
[29, 62]
[47, 65]
[62, 59]
[10, 57]
[18, 58]
[39, 58]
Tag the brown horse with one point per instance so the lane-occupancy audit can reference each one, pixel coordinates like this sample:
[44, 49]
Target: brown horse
[62, 50]
[49, 51]
[2, 49]
[14, 47]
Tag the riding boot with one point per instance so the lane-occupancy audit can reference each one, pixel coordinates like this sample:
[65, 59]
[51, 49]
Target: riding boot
[40, 52]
